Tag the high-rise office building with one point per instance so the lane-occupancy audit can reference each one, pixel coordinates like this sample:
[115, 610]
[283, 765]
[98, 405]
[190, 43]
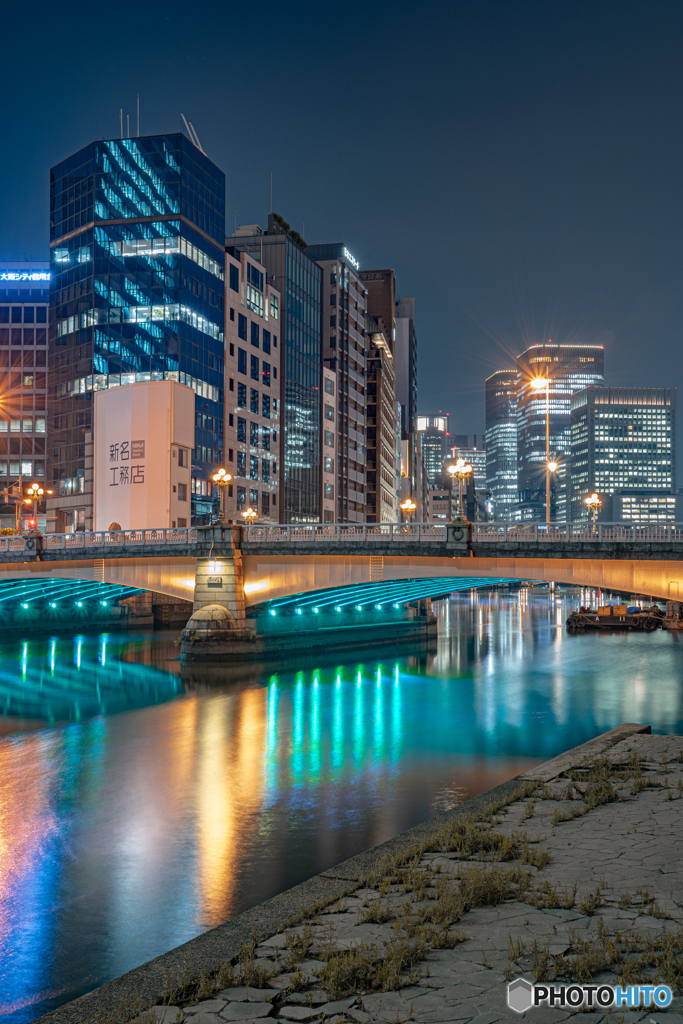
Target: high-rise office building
[137, 230]
[298, 280]
[24, 302]
[380, 330]
[253, 352]
[435, 444]
[501, 442]
[623, 446]
[406, 365]
[381, 504]
[344, 353]
[330, 462]
[568, 368]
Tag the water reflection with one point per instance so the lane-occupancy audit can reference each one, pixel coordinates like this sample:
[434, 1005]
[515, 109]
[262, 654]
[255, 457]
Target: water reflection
[123, 835]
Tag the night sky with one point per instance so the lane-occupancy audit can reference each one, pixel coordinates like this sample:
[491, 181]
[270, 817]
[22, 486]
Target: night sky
[518, 164]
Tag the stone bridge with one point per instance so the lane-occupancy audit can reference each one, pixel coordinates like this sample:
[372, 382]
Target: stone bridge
[278, 569]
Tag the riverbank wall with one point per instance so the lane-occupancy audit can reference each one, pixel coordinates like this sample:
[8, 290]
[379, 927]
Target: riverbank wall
[149, 983]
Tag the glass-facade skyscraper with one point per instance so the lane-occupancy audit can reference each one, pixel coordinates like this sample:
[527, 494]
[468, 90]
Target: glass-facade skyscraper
[298, 279]
[568, 368]
[24, 297]
[434, 431]
[501, 442]
[137, 256]
[624, 444]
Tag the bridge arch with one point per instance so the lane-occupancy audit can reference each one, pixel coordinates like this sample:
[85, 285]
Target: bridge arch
[275, 577]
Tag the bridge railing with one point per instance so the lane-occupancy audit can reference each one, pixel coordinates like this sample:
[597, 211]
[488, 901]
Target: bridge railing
[492, 533]
[345, 532]
[564, 533]
[117, 539]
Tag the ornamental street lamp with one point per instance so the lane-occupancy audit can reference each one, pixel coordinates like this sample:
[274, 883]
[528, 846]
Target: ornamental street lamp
[538, 384]
[408, 507]
[222, 478]
[594, 503]
[35, 493]
[462, 470]
[250, 515]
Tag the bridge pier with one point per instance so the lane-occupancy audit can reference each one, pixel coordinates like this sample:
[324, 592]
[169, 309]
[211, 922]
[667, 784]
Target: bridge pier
[217, 625]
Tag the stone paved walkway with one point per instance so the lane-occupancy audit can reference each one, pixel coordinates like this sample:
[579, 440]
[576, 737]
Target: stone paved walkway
[579, 878]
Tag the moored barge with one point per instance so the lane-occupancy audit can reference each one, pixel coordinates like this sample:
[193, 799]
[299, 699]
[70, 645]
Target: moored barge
[617, 616]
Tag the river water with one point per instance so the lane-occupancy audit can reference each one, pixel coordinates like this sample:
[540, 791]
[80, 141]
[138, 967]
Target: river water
[141, 805]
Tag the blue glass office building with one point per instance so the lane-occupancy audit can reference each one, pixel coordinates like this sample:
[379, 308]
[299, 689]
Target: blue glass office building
[137, 230]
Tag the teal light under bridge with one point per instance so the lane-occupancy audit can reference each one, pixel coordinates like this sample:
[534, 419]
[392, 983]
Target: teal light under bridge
[58, 593]
[370, 595]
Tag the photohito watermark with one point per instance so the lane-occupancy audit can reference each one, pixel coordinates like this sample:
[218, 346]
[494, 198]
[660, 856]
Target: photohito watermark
[522, 996]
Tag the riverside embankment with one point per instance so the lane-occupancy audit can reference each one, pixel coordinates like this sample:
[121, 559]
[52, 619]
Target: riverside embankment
[572, 870]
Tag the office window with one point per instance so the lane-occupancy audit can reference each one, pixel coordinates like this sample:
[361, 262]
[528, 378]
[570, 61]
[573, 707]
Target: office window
[265, 503]
[241, 469]
[254, 367]
[329, 386]
[265, 471]
[274, 308]
[329, 491]
[266, 407]
[254, 334]
[329, 412]
[182, 492]
[253, 498]
[329, 439]
[241, 396]
[231, 385]
[232, 316]
[241, 498]
[255, 277]
[242, 361]
[234, 278]
[41, 314]
[253, 467]
[29, 314]
[242, 326]
[329, 464]
[16, 314]
[253, 406]
[40, 425]
[253, 434]
[266, 341]
[266, 373]
[265, 439]
[241, 429]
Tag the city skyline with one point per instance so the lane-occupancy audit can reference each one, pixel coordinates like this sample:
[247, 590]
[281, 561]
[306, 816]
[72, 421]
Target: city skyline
[556, 220]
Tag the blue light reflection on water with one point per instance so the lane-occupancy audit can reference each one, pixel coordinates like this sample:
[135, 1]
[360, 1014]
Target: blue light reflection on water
[123, 835]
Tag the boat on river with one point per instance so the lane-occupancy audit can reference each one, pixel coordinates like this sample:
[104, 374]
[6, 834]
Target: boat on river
[617, 616]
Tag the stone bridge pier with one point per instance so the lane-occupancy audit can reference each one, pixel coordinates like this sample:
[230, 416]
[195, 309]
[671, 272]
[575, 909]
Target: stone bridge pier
[218, 619]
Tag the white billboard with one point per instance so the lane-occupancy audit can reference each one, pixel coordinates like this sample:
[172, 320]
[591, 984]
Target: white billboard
[143, 441]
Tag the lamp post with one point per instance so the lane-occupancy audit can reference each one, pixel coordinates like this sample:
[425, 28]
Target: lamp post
[538, 384]
[35, 493]
[594, 503]
[407, 508]
[462, 470]
[250, 515]
[222, 478]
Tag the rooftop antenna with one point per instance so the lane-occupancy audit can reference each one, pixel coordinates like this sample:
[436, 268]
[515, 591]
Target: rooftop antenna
[138, 115]
[121, 122]
[271, 191]
[196, 139]
[127, 126]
